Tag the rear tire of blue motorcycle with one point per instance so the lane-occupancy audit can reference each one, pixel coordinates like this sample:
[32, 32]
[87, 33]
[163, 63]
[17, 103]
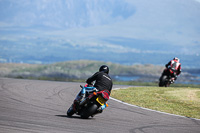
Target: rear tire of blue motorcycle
[89, 111]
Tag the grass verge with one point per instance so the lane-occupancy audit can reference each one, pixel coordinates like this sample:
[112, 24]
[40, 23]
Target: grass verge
[183, 101]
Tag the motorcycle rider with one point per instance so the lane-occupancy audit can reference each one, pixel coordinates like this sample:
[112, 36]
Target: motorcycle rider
[175, 66]
[102, 81]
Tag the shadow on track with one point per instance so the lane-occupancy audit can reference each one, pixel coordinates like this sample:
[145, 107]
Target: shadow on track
[73, 117]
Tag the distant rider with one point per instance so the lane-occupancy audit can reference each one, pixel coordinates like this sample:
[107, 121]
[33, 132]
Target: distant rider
[175, 66]
[102, 82]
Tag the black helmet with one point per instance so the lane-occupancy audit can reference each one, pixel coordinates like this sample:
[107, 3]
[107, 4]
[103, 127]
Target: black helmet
[104, 68]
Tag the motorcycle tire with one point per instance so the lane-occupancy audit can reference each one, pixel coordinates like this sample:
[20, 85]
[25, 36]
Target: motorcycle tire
[87, 112]
[167, 84]
[70, 111]
[163, 81]
[160, 84]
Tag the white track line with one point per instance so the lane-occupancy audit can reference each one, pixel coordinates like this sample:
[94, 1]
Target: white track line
[147, 108]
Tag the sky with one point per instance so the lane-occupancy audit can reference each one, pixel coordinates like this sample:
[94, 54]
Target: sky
[197, 0]
[115, 26]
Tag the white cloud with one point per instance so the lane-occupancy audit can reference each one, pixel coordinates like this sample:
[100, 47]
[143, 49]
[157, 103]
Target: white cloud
[120, 49]
[198, 1]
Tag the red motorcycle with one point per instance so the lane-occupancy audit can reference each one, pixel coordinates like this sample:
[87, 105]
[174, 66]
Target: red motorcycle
[167, 77]
[90, 105]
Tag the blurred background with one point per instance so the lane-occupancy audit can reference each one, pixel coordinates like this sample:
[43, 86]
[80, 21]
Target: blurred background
[126, 32]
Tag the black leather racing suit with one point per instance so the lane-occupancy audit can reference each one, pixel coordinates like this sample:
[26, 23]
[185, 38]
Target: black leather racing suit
[102, 81]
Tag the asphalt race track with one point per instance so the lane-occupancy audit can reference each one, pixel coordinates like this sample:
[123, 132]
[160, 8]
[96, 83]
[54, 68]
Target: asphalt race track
[40, 107]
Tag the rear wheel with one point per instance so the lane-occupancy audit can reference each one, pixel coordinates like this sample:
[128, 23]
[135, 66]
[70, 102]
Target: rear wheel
[87, 112]
[167, 83]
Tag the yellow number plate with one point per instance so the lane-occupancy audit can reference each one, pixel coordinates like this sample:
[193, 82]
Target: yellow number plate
[100, 100]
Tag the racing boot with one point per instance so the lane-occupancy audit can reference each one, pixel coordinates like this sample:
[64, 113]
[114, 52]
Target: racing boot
[101, 108]
[172, 80]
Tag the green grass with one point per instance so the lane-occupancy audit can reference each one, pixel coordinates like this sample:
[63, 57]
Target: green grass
[183, 101]
[136, 83]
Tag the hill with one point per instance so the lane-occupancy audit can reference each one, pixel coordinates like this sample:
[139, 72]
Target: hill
[75, 69]
[82, 69]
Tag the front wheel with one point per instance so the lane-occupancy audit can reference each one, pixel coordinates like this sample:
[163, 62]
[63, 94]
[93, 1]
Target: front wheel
[87, 112]
[70, 111]
[163, 81]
